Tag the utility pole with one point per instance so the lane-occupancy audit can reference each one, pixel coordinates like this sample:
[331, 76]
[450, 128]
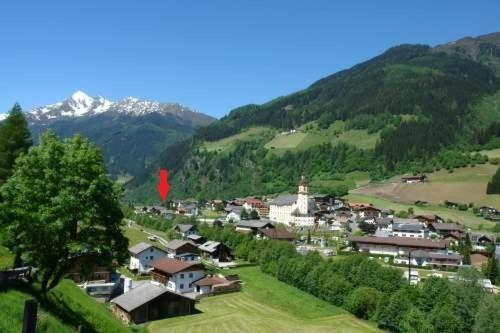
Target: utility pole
[409, 267]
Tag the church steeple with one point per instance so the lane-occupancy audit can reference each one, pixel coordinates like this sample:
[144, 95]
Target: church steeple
[303, 184]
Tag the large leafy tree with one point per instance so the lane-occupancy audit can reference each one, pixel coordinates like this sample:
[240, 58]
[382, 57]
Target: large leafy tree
[14, 140]
[61, 209]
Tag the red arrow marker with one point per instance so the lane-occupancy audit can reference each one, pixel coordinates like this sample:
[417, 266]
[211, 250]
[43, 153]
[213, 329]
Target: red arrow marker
[163, 187]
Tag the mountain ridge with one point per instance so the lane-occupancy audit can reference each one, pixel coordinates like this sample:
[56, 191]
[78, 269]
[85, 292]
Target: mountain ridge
[422, 102]
[131, 132]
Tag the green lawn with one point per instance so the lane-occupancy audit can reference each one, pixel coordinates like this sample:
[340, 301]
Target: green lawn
[67, 308]
[493, 153]
[6, 258]
[11, 315]
[310, 135]
[135, 235]
[228, 143]
[264, 305]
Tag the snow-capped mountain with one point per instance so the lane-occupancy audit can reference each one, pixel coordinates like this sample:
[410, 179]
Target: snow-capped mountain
[80, 104]
[130, 132]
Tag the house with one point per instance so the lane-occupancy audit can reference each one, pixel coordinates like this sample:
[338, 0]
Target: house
[150, 301]
[216, 285]
[233, 213]
[182, 250]
[177, 276]
[185, 230]
[187, 208]
[84, 269]
[294, 209]
[485, 210]
[215, 251]
[480, 241]
[142, 256]
[197, 239]
[367, 212]
[252, 226]
[414, 179]
[395, 246]
[429, 219]
[409, 230]
[434, 259]
[276, 234]
[444, 229]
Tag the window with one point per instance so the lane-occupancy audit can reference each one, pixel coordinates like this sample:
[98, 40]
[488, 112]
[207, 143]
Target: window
[190, 285]
[190, 275]
[182, 276]
[151, 257]
[151, 250]
[182, 286]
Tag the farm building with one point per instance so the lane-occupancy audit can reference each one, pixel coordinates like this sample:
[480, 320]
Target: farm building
[182, 250]
[414, 179]
[252, 226]
[276, 234]
[395, 246]
[150, 301]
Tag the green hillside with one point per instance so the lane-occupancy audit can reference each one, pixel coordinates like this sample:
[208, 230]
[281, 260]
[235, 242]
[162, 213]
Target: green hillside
[411, 109]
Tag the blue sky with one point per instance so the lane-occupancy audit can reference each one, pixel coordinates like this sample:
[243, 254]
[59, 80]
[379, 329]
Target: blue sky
[210, 55]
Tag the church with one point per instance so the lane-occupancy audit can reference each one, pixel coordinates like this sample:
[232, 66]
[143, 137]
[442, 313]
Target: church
[294, 209]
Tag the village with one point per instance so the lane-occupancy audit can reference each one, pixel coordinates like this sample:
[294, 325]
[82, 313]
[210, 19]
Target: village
[167, 277]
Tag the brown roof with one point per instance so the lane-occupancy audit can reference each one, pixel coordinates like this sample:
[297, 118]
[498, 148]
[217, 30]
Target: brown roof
[277, 233]
[210, 281]
[478, 259]
[172, 266]
[401, 241]
[447, 226]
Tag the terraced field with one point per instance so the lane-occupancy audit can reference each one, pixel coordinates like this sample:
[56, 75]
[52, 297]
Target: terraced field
[264, 305]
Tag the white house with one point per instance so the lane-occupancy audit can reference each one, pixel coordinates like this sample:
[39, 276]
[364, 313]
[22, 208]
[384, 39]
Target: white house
[410, 230]
[294, 209]
[185, 230]
[177, 276]
[142, 256]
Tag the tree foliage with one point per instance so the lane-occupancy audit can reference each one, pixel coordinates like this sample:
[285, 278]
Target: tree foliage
[59, 208]
[14, 141]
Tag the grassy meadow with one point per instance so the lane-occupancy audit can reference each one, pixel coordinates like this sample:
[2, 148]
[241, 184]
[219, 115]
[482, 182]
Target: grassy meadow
[264, 305]
[226, 144]
[67, 308]
[463, 185]
[310, 135]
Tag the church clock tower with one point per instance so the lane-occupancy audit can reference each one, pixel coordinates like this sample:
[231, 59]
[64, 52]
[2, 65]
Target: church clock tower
[302, 197]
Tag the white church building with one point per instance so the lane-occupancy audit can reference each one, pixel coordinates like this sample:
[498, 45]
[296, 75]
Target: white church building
[294, 209]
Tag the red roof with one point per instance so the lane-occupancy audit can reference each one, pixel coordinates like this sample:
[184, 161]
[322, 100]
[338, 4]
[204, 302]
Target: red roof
[172, 266]
[210, 281]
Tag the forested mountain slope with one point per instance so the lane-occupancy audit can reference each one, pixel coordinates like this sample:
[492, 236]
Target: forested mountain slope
[422, 104]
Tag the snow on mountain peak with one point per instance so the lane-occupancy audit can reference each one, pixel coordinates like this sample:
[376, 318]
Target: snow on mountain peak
[80, 104]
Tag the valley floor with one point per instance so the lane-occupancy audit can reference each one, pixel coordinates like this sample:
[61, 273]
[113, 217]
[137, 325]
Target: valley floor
[264, 305]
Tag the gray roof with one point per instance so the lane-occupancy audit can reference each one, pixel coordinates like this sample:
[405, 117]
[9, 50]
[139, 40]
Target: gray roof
[406, 221]
[138, 248]
[176, 243]
[140, 295]
[383, 220]
[435, 255]
[253, 223]
[233, 208]
[194, 237]
[284, 200]
[184, 227]
[407, 227]
[209, 246]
